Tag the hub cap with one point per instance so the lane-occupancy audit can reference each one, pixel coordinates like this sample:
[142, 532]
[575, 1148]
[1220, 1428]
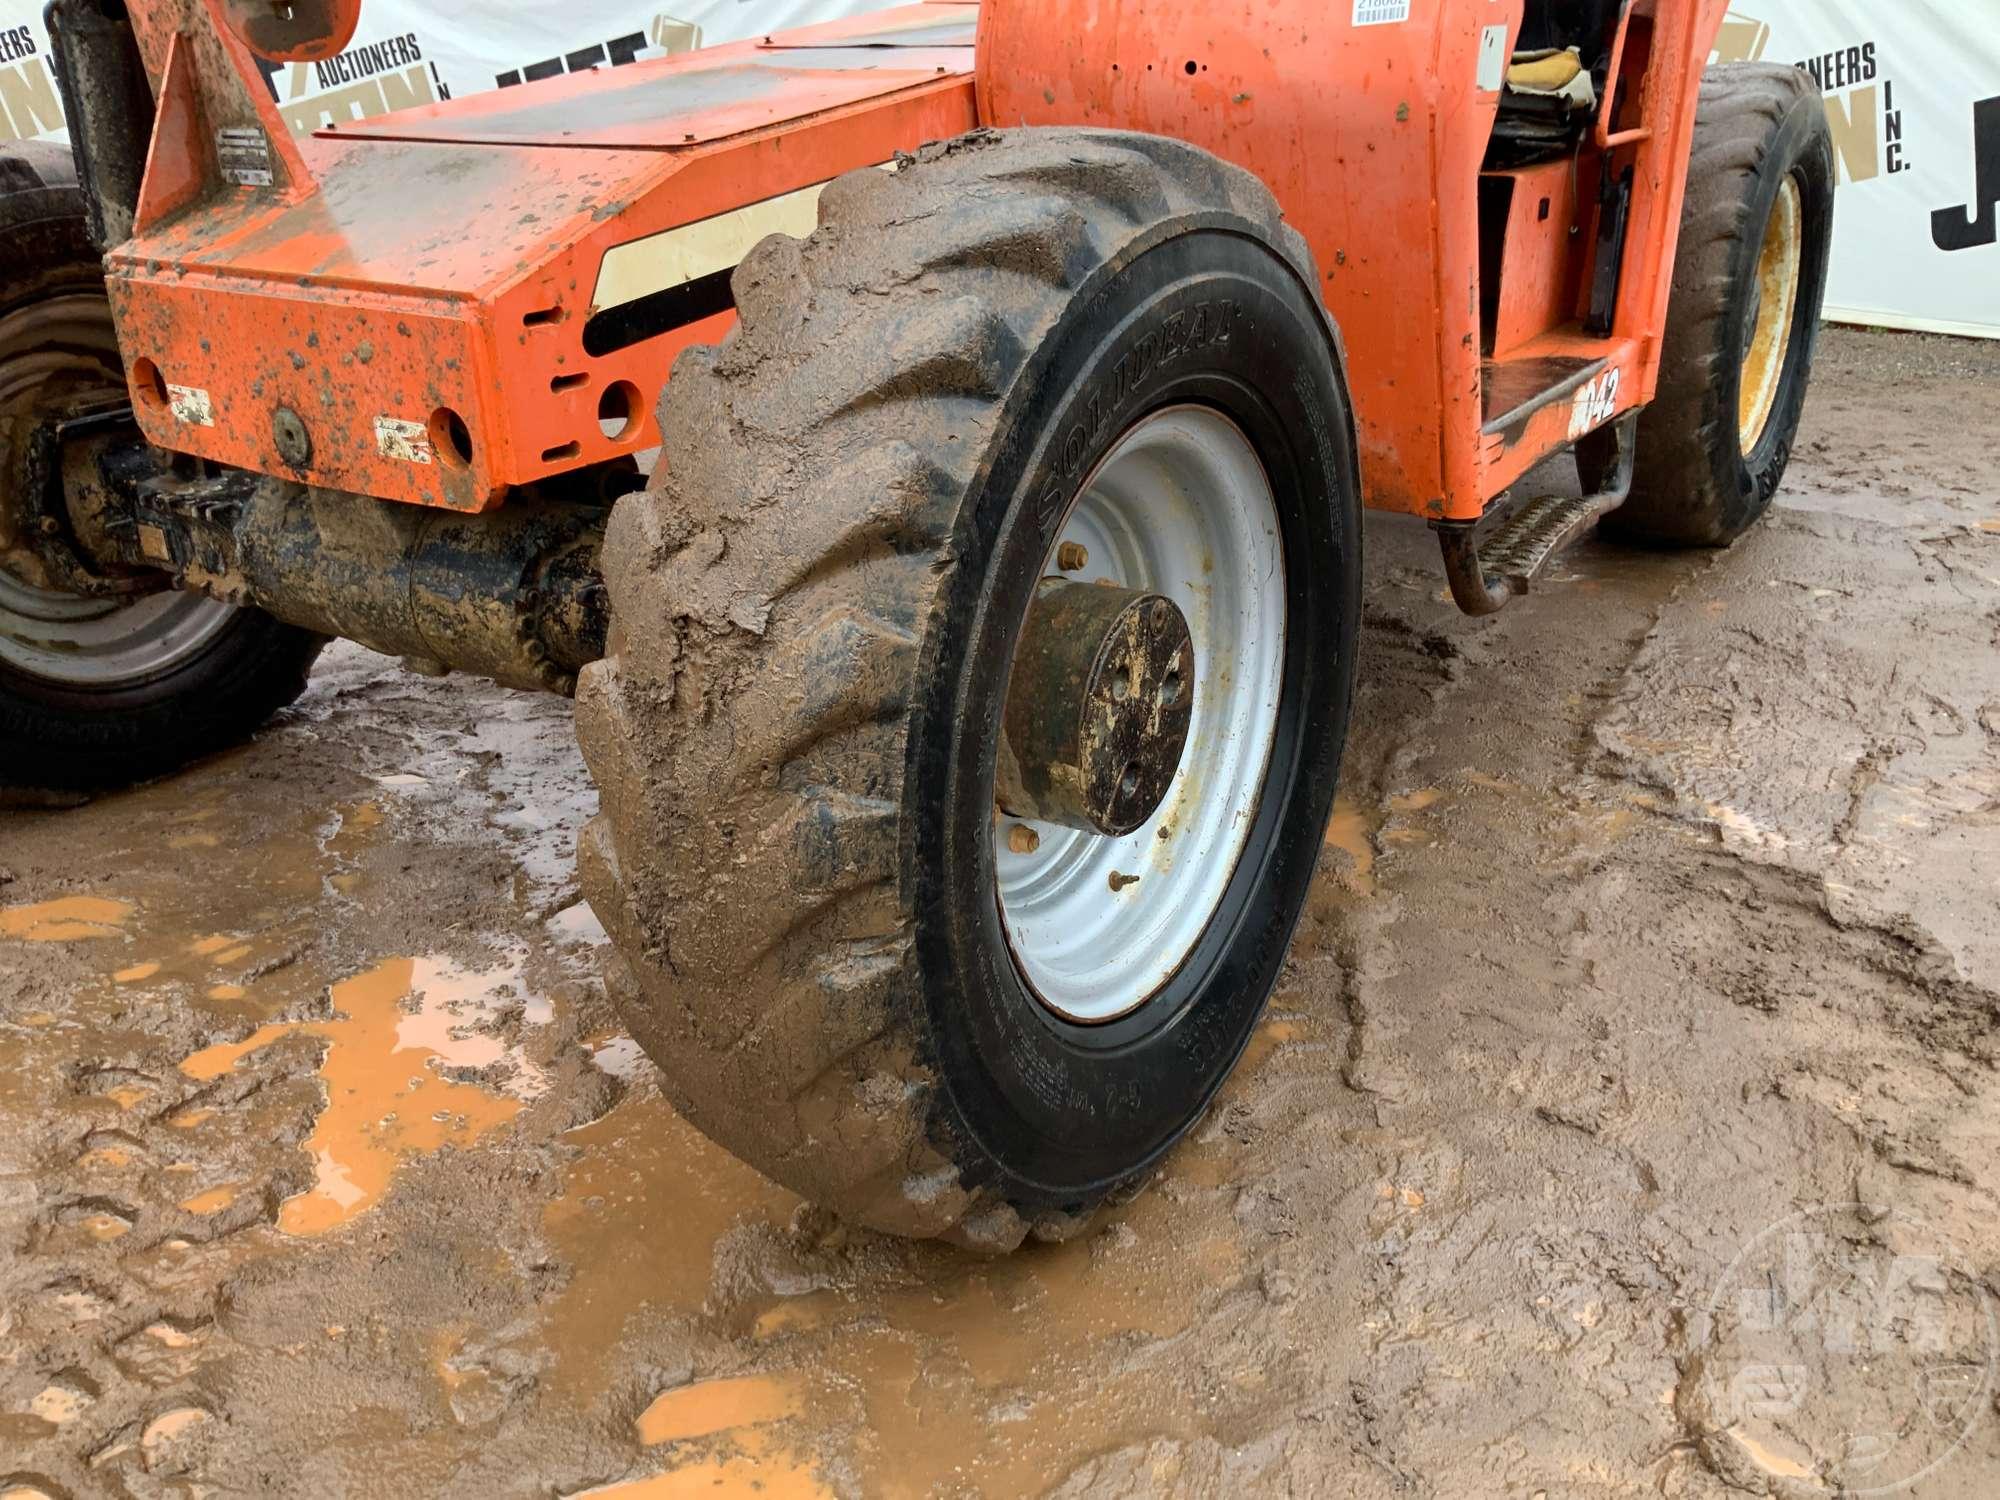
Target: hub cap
[1180, 509]
[1773, 305]
[1097, 707]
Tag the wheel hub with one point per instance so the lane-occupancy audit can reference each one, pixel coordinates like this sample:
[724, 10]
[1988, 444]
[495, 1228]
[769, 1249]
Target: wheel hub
[1098, 708]
[59, 375]
[1104, 891]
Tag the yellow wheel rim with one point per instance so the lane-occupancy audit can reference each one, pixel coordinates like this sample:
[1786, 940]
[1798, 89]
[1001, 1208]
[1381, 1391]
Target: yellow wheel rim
[1771, 314]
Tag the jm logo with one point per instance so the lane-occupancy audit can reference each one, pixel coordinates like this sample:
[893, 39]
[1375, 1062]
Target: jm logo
[1978, 222]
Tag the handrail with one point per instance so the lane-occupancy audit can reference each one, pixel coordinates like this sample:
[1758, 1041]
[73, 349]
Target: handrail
[1609, 108]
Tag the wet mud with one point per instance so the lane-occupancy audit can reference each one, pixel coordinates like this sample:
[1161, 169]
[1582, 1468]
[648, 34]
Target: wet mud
[1653, 954]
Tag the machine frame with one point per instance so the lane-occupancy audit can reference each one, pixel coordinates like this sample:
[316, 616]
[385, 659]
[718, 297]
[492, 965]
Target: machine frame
[439, 306]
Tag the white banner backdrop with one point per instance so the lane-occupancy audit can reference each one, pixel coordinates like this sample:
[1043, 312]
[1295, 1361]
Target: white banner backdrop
[1912, 90]
[1913, 94]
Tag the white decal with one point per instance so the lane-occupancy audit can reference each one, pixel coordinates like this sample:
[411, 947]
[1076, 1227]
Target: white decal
[1380, 12]
[707, 247]
[409, 441]
[1492, 59]
[190, 404]
[1595, 404]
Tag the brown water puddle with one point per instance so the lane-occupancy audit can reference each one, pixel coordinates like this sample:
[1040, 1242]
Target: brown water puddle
[387, 1098]
[907, 1377]
[756, 1467]
[214, 1201]
[711, 1406]
[638, 1219]
[66, 919]
[992, 1377]
[1355, 829]
[1351, 828]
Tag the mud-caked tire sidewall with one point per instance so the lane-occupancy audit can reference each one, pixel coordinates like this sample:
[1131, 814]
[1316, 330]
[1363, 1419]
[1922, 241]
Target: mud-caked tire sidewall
[1059, 1112]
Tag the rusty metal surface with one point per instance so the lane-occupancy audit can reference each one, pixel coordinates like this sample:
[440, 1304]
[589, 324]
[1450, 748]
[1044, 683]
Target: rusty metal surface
[513, 596]
[1098, 707]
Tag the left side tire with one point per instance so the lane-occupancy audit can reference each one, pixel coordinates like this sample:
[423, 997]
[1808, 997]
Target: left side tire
[849, 967]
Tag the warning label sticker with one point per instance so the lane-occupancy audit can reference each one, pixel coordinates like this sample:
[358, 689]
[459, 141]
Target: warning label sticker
[1380, 12]
[191, 404]
[408, 441]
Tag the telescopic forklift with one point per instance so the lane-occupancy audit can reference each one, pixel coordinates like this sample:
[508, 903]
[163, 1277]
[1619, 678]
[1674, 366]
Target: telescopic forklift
[930, 447]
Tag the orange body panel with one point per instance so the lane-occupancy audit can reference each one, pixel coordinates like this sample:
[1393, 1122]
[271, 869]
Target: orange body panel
[436, 262]
[441, 265]
[1536, 284]
[1372, 137]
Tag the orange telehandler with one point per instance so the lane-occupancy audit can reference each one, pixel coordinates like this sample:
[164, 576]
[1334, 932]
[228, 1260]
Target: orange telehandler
[966, 677]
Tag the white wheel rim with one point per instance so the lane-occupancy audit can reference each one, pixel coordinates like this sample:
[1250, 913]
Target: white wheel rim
[1770, 342]
[57, 354]
[1181, 506]
[102, 643]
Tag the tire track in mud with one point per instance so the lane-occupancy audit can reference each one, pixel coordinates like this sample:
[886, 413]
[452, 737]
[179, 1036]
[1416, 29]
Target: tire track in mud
[145, 1198]
[148, 1186]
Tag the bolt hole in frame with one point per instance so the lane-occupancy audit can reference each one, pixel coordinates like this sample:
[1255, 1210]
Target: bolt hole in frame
[149, 384]
[618, 409]
[451, 439]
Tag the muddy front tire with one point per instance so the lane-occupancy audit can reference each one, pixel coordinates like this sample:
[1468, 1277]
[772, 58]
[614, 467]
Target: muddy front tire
[1743, 316]
[98, 692]
[815, 610]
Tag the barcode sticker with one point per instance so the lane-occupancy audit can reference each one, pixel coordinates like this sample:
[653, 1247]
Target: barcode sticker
[1380, 12]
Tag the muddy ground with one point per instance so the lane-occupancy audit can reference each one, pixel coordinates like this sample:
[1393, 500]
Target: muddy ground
[1626, 1123]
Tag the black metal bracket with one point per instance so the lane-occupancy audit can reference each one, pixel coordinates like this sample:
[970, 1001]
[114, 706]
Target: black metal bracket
[108, 103]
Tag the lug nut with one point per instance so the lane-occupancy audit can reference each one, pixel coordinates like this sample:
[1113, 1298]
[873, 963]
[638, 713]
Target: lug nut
[1022, 839]
[1072, 557]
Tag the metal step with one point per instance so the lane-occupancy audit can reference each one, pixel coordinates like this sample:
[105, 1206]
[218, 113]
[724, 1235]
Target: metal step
[1521, 546]
[1489, 565]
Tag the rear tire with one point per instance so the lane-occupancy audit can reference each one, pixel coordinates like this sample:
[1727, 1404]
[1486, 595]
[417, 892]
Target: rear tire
[1743, 316]
[94, 694]
[814, 612]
